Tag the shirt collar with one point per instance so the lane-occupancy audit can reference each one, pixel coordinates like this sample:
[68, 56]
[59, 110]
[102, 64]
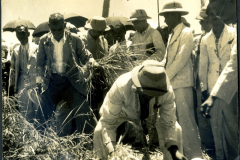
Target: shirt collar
[177, 27]
[146, 31]
[25, 46]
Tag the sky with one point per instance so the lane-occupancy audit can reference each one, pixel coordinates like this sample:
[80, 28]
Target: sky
[38, 11]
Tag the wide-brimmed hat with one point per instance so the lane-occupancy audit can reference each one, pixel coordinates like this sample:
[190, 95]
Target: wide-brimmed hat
[173, 7]
[150, 78]
[202, 15]
[97, 23]
[139, 14]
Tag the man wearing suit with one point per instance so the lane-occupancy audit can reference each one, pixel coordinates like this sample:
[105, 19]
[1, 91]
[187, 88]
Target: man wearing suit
[61, 74]
[23, 73]
[179, 70]
[218, 77]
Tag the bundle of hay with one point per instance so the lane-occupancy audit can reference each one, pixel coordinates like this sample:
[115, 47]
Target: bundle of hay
[113, 65]
[21, 140]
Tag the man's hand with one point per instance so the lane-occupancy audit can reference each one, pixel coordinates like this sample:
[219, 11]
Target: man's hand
[206, 106]
[179, 156]
[111, 148]
[205, 95]
[39, 88]
[176, 155]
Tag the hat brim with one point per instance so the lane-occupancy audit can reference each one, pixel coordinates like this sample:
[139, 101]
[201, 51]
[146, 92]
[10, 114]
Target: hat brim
[141, 18]
[88, 26]
[148, 92]
[183, 12]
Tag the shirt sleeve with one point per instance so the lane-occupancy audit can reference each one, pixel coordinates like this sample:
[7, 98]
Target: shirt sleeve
[110, 112]
[159, 46]
[183, 54]
[226, 85]
[168, 119]
[83, 54]
[41, 58]
[203, 66]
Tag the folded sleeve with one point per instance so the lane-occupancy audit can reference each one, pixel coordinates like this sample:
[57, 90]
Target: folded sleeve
[110, 112]
[158, 45]
[168, 119]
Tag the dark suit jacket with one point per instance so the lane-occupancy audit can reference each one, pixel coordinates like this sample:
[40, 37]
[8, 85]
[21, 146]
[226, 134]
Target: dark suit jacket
[78, 51]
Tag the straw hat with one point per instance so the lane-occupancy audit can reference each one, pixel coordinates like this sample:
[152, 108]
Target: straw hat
[150, 78]
[139, 14]
[97, 23]
[173, 7]
[202, 15]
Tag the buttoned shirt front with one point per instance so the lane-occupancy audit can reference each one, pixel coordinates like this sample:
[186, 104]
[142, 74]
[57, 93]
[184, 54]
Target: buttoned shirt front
[148, 44]
[58, 66]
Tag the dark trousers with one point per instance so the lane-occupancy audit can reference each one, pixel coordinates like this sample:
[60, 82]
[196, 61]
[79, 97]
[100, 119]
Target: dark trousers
[78, 115]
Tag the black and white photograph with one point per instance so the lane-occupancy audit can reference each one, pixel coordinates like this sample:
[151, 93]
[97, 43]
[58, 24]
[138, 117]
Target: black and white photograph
[119, 80]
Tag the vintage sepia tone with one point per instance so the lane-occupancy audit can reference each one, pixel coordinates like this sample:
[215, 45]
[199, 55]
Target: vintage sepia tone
[119, 79]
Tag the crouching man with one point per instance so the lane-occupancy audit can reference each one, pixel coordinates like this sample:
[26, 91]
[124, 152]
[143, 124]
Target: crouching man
[132, 98]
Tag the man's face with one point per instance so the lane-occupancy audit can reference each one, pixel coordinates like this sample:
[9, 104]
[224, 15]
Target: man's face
[57, 29]
[205, 25]
[214, 17]
[22, 33]
[97, 34]
[108, 35]
[139, 25]
[170, 19]
[119, 34]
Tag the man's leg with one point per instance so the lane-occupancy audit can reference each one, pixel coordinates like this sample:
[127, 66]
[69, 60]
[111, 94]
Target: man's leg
[80, 110]
[186, 119]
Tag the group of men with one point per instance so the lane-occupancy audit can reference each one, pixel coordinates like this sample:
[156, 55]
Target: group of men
[161, 92]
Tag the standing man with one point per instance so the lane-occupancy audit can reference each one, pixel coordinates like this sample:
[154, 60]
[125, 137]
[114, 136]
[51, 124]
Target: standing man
[120, 43]
[204, 125]
[23, 73]
[216, 49]
[98, 46]
[60, 58]
[147, 42]
[180, 72]
[94, 40]
[131, 98]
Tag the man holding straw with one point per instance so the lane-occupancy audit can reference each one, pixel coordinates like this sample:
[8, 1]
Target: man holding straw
[62, 73]
[144, 94]
[147, 42]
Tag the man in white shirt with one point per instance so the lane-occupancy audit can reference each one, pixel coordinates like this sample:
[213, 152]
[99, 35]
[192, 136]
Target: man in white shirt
[61, 75]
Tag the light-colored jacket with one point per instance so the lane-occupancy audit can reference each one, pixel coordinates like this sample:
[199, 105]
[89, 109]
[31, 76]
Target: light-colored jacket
[211, 66]
[14, 70]
[178, 57]
[227, 83]
[121, 102]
